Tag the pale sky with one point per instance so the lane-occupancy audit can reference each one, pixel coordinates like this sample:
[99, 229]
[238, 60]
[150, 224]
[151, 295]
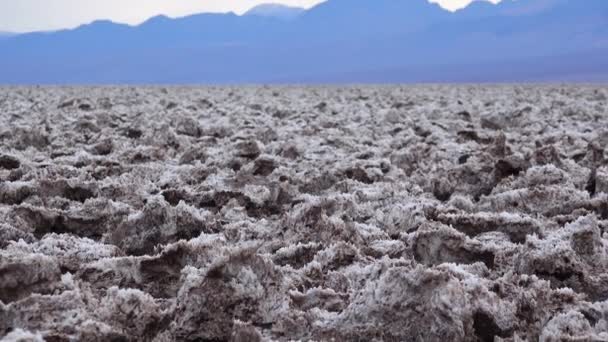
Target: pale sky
[37, 15]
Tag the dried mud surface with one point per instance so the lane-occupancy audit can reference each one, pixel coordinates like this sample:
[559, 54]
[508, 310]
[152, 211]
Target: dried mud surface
[451, 213]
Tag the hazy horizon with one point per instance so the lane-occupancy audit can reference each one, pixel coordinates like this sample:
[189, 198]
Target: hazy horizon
[25, 16]
[337, 41]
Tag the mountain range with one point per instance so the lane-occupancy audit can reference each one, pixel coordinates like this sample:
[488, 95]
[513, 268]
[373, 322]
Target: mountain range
[337, 41]
[277, 11]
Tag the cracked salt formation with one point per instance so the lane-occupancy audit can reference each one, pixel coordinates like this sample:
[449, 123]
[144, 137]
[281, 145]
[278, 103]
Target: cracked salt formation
[461, 213]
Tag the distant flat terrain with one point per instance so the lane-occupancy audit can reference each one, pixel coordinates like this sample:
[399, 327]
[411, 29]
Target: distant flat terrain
[452, 213]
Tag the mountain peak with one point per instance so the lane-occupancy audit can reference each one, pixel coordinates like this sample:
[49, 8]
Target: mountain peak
[273, 10]
[158, 18]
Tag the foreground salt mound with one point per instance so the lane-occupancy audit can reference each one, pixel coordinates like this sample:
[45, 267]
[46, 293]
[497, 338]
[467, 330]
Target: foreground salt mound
[378, 213]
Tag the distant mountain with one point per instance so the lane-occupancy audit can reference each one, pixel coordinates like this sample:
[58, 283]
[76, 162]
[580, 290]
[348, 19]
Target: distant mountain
[275, 11]
[335, 41]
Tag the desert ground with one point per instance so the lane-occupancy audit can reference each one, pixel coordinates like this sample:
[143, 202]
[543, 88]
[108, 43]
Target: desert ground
[372, 213]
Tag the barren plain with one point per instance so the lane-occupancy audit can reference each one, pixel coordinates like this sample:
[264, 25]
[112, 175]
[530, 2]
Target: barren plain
[388, 213]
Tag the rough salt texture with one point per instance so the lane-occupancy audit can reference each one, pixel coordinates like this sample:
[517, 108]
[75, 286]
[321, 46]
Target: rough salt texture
[438, 213]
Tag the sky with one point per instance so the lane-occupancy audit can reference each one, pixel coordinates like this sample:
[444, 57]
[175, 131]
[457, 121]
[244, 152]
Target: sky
[44, 15]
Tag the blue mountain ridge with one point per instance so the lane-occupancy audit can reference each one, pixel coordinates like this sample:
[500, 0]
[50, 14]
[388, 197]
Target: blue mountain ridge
[350, 41]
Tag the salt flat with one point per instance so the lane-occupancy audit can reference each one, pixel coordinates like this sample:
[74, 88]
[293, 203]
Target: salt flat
[452, 213]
